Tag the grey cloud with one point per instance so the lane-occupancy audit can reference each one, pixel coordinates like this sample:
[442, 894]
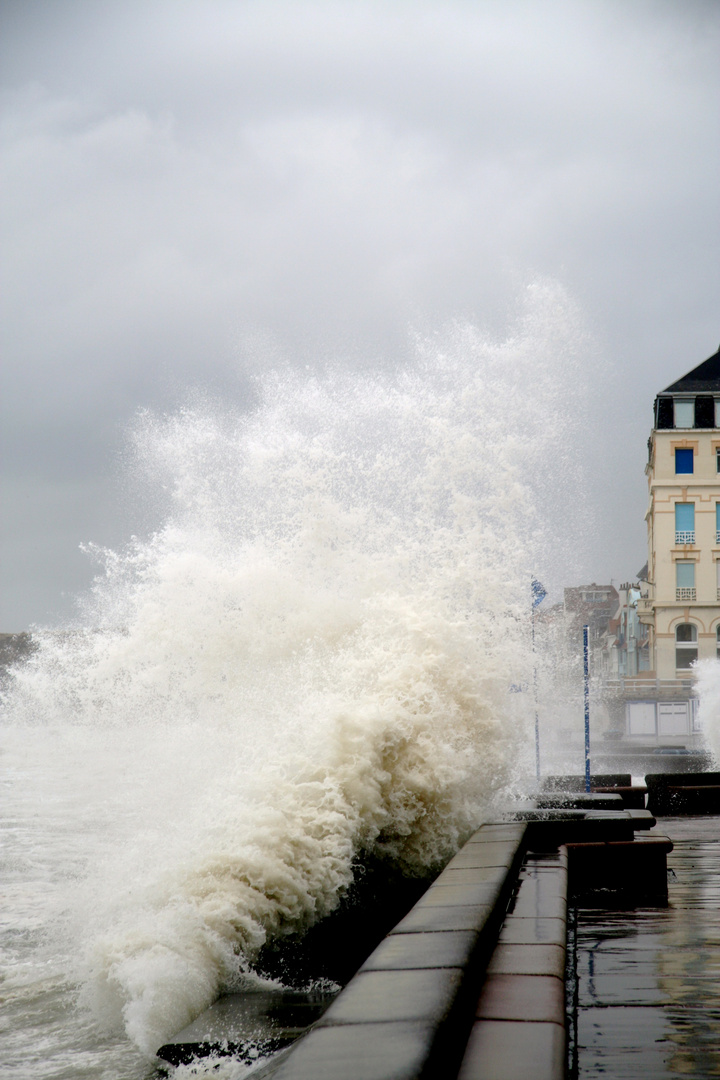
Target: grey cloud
[194, 190]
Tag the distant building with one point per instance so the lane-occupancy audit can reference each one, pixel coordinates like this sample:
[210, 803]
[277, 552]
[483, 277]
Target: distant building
[625, 650]
[589, 605]
[680, 603]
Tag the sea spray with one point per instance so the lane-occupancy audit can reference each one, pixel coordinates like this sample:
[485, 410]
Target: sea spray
[310, 658]
[707, 681]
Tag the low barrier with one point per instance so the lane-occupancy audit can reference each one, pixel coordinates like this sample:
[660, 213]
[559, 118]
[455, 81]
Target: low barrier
[470, 982]
[683, 793]
[519, 1025]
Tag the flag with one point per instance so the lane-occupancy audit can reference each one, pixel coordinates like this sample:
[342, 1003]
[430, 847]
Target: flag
[538, 593]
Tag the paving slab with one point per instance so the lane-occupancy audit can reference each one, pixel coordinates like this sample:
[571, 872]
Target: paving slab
[452, 948]
[522, 997]
[498, 830]
[508, 1050]
[436, 918]
[470, 875]
[476, 856]
[541, 895]
[531, 931]
[546, 860]
[382, 996]
[491, 852]
[360, 1052]
[444, 893]
[528, 960]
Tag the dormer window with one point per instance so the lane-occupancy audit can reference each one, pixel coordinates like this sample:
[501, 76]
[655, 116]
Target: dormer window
[684, 412]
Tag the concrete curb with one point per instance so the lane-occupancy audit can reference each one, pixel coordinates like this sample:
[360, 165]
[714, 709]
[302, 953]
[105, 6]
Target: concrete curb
[519, 1029]
[409, 1010]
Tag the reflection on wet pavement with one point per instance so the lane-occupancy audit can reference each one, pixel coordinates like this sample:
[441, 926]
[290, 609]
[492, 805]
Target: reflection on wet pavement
[648, 980]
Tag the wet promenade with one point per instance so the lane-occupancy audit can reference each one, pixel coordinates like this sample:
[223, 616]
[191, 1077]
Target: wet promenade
[647, 999]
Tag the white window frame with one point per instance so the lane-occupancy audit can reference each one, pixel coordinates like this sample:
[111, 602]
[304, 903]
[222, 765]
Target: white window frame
[684, 409]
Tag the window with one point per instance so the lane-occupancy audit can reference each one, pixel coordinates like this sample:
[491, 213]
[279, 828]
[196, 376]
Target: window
[684, 412]
[717, 647]
[717, 522]
[686, 650]
[685, 581]
[683, 459]
[717, 458]
[685, 523]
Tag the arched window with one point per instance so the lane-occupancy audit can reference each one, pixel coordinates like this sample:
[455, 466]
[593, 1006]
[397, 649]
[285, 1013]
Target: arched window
[686, 650]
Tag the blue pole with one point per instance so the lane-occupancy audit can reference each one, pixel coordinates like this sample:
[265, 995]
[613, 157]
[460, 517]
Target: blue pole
[586, 670]
[535, 700]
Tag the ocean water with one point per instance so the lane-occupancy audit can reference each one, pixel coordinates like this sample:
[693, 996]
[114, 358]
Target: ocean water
[309, 659]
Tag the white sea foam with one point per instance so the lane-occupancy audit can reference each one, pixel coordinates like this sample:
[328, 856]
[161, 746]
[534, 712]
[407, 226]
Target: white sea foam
[310, 658]
[707, 681]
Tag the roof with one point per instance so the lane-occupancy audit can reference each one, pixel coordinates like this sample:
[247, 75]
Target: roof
[705, 378]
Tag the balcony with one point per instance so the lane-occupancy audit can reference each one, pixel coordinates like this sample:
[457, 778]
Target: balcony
[717, 537]
[686, 536]
[685, 594]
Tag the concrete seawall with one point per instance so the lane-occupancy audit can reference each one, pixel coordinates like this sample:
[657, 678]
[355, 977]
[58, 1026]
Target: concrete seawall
[470, 983]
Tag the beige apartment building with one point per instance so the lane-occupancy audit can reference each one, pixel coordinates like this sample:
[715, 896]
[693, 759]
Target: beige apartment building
[680, 605]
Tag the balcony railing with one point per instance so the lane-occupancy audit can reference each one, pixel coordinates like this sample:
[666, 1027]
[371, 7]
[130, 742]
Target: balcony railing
[717, 537]
[685, 594]
[684, 536]
[641, 684]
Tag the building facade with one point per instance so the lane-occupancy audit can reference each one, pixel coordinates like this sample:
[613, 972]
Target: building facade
[680, 602]
[625, 652]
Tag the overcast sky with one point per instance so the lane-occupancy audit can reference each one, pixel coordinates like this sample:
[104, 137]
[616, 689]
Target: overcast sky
[193, 187]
